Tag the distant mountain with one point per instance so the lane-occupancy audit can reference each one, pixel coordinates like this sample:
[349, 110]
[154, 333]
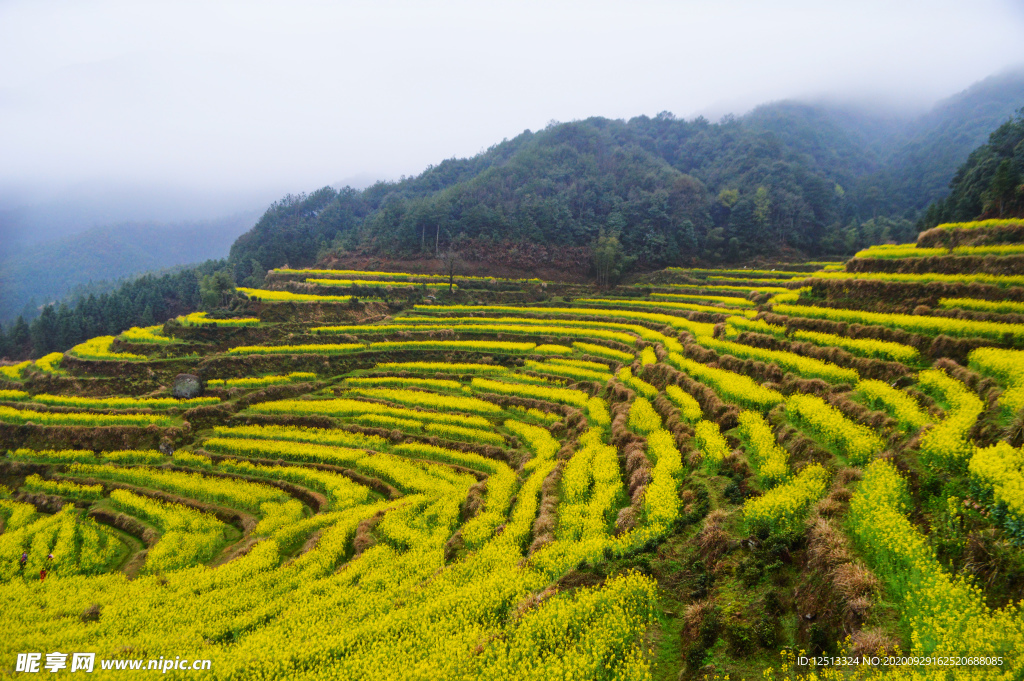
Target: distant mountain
[817, 177]
[925, 156]
[45, 272]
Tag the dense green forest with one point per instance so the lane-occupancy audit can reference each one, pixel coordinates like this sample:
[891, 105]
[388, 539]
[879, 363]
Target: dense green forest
[143, 301]
[990, 184]
[786, 179]
[815, 179]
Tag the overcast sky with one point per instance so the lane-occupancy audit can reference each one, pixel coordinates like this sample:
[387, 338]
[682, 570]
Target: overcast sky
[289, 96]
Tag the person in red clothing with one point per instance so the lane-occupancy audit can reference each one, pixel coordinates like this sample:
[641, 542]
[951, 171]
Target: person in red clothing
[42, 574]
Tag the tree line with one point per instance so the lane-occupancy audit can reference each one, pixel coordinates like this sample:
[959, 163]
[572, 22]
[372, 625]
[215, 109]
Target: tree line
[145, 301]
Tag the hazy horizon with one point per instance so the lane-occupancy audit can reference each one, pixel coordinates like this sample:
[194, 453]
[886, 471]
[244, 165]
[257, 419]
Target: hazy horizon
[184, 111]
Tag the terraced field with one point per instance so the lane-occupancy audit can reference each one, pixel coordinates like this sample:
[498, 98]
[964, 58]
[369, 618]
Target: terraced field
[487, 478]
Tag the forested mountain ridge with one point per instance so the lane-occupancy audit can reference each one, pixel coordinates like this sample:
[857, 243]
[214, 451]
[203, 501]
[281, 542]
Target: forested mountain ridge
[788, 178]
[990, 184]
[817, 178]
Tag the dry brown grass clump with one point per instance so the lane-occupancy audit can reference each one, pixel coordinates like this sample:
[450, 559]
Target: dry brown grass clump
[713, 539]
[854, 580]
[874, 641]
[694, 616]
[827, 547]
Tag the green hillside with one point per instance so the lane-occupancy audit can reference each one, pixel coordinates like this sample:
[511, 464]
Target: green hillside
[818, 179]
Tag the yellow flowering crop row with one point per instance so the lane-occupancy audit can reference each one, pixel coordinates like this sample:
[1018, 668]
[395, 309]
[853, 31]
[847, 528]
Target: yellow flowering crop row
[372, 283]
[45, 418]
[321, 436]
[728, 301]
[428, 400]
[789, 297]
[856, 442]
[900, 405]
[597, 411]
[99, 348]
[648, 356]
[731, 386]
[865, 347]
[590, 484]
[781, 511]
[538, 440]
[699, 288]
[579, 363]
[451, 432]
[759, 280]
[54, 455]
[946, 616]
[689, 307]
[642, 417]
[49, 363]
[200, 319]
[344, 407]
[568, 371]
[455, 345]
[501, 486]
[639, 330]
[365, 274]
[122, 402]
[642, 387]
[444, 455]
[745, 273]
[712, 444]
[576, 398]
[948, 441]
[537, 414]
[912, 323]
[188, 536]
[805, 366]
[288, 297]
[340, 491]
[236, 493]
[770, 460]
[697, 328]
[552, 349]
[689, 408]
[443, 367]
[993, 279]
[190, 460]
[287, 450]
[1007, 367]
[13, 372]
[661, 499]
[516, 329]
[305, 349]
[79, 545]
[998, 306]
[734, 325]
[588, 633]
[889, 251]
[16, 514]
[129, 456]
[148, 334]
[981, 224]
[63, 488]
[261, 381]
[1000, 471]
[405, 475]
[13, 395]
[602, 351]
